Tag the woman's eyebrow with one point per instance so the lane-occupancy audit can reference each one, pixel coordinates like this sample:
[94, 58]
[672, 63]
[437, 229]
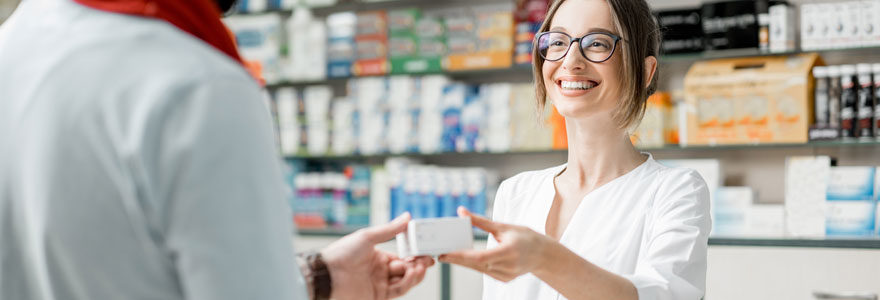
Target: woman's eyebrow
[590, 30]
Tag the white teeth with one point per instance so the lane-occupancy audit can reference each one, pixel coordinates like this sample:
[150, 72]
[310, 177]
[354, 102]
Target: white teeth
[576, 85]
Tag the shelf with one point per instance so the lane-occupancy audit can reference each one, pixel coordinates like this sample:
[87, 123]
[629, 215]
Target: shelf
[752, 52]
[523, 72]
[816, 144]
[848, 243]
[805, 243]
[364, 5]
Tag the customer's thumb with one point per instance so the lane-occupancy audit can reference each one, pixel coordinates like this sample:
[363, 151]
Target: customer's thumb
[382, 233]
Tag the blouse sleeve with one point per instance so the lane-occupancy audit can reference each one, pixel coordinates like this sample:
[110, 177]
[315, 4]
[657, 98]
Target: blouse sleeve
[672, 260]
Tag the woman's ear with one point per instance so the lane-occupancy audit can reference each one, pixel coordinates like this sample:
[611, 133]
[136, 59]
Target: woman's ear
[650, 69]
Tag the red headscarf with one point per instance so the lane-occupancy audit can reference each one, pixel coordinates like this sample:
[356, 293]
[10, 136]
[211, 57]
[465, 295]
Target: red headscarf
[201, 18]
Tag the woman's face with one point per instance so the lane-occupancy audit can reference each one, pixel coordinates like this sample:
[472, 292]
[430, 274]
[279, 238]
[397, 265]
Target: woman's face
[577, 87]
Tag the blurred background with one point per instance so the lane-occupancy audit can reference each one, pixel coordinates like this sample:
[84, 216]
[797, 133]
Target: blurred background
[383, 107]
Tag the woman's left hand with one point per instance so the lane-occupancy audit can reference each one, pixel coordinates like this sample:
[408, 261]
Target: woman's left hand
[519, 250]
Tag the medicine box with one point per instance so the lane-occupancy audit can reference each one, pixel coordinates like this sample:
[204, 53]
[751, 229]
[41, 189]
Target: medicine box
[851, 202]
[435, 236]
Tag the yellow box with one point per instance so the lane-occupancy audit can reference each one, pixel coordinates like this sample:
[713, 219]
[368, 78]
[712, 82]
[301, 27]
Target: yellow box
[750, 100]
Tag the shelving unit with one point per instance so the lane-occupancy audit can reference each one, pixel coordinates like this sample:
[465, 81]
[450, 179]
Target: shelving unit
[523, 73]
[671, 148]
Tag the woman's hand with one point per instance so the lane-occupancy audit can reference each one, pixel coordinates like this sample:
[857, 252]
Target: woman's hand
[519, 250]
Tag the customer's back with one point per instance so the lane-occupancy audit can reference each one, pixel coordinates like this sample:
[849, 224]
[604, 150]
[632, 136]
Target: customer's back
[136, 162]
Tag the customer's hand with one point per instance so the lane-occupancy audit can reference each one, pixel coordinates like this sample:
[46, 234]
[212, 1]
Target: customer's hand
[519, 250]
[359, 271]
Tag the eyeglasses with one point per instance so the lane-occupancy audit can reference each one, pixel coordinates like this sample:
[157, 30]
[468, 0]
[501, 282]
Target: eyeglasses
[596, 47]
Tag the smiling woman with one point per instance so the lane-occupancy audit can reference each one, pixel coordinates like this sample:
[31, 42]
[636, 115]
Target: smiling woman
[611, 223]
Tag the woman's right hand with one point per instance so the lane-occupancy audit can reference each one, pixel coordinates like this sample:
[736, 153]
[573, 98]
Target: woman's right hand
[519, 250]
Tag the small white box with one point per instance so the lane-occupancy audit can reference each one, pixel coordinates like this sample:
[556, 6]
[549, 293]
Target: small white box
[783, 31]
[870, 23]
[831, 14]
[806, 183]
[730, 208]
[809, 26]
[851, 36]
[435, 236]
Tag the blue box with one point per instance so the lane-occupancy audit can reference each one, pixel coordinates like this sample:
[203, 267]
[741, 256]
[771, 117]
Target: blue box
[851, 202]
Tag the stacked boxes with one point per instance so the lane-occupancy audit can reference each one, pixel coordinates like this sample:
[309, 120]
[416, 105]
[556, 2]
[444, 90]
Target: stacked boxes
[479, 37]
[371, 44]
[528, 17]
[851, 203]
[416, 42]
[340, 44]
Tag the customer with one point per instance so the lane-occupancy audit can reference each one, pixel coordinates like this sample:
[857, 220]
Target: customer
[137, 162]
[612, 223]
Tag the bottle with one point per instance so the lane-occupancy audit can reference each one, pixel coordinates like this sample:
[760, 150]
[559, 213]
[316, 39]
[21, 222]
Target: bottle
[834, 91]
[876, 69]
[848, 101]
[821, 97]
[865, 109]
[762, 8]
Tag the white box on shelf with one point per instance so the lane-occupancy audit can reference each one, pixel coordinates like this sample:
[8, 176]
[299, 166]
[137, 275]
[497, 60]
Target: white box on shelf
[435, 236]
[870, 23]
[851, 202]
[730, 208]
[783, 29]
[810, 26]
[828, 36]
[806, 183]
[851, 36]
[765, 221]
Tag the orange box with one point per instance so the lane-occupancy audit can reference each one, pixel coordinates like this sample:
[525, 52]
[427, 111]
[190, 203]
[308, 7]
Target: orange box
[749, 100]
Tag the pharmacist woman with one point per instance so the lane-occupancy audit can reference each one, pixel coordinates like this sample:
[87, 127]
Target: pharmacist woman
[611, 223]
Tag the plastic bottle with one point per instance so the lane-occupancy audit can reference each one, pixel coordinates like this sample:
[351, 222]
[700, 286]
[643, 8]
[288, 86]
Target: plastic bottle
[849, 101]
[865, 111]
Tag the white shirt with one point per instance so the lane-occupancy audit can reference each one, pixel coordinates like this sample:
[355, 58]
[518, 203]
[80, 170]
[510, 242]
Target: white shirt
[650, 226]
[136, 162]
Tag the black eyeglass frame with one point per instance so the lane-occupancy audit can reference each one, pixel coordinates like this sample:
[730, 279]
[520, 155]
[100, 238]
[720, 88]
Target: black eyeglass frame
[572, 40]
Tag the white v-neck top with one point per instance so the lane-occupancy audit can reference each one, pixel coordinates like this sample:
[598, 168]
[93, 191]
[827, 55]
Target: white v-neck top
[650, 226]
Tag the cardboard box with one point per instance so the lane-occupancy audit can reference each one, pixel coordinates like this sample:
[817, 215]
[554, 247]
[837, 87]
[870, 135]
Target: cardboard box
[851, 202]
[750, 100]
[730, 210]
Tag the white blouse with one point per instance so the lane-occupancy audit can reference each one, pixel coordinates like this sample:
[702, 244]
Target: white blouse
[650, 226]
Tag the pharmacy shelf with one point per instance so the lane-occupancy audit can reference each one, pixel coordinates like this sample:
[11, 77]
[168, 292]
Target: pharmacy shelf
[848, 243]
[804, 243]
[814, 145]
[752, 52]
[523, 73]
[367, 5]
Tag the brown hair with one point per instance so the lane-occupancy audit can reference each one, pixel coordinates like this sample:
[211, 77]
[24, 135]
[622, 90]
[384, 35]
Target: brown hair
[640, 38]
